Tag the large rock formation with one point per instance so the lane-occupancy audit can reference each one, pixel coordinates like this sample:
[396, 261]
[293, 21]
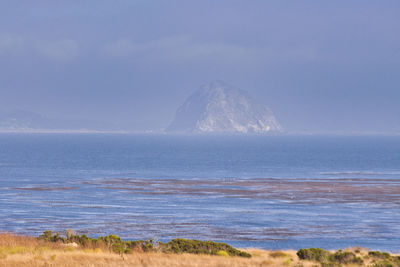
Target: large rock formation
[220, 108]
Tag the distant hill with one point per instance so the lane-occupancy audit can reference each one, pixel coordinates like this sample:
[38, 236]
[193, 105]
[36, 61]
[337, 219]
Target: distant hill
[220, 108]
[21, 120]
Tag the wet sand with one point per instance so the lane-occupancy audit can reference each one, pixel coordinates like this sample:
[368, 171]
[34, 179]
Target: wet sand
[296, 190]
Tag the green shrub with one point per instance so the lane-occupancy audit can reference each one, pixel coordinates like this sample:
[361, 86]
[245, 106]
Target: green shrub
[384, 259]
[118, 248]
[327, 259]
[112, 239]
[47, 235]
[115, 244]
[379, 255]
[345, 257]
[70, 233]
[384, 263]
[222, 253]
[201, 247]
[313, 254]
[144, 245]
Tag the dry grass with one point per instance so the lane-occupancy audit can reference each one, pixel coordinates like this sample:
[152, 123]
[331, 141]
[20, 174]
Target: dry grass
[29, 251]
[82, 258]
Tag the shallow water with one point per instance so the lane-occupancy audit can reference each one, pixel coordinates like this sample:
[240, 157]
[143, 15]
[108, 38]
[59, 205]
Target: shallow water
[268, 192]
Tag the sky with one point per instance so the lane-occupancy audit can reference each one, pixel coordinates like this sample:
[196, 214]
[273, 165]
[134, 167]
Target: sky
[321, 66]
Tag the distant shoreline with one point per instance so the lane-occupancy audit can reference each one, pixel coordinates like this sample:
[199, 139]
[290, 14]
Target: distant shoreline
[151, 132]
[46, 131]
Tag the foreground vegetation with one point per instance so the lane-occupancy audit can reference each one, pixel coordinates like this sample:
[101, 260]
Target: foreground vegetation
[113, 243]
[354, 258]
[80, 250]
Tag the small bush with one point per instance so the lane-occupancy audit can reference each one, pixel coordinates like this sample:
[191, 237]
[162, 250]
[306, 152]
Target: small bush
[222, 253]
[384, 259]
[313, 254]
[345, 257]
[119, 248]
[379, 255]
[201, 247]
[141, 245]
[70, 233]
[327, 259]
[47, 235]
[384, 263]
[287, 262]
[115, 244]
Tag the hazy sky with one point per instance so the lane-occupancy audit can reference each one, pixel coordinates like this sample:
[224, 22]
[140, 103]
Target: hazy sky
[319, 65]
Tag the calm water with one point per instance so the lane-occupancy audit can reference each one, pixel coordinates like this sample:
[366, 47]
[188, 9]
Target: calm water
[268, 192]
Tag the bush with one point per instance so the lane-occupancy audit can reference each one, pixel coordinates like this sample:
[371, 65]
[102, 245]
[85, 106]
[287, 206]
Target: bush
[313, 254]
[201, 247]
[379, 255]
[345, 257]
[48, 236]
[141, 245]
[70, 233]
[222, 253]
[384, 263]
[384, 259]
[328, 259]
[118, 248]
[115, 244]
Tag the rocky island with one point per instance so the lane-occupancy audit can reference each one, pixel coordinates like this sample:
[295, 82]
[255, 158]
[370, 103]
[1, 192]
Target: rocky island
[218, 107]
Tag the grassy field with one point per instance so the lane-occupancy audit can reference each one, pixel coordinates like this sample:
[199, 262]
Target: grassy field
[30, 251]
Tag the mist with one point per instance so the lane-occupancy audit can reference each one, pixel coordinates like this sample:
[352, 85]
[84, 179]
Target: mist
[320, 66]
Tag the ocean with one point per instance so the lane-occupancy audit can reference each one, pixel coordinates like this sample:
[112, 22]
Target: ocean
[271, 192]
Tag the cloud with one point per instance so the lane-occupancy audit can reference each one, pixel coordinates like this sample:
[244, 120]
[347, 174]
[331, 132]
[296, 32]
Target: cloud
[57, 50]
[62, 50]
[123, 48]
[185, 50]
[10, 43]
[178, 46]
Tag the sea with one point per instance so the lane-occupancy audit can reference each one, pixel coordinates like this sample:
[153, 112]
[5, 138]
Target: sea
[269, 192]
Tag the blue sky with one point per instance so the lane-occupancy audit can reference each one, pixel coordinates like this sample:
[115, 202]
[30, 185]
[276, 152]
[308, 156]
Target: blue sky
[321, 66]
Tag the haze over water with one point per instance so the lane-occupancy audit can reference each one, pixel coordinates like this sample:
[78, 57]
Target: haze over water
[250, 191]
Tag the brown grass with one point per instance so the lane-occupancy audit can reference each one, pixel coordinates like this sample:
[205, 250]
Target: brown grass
[92, 258]
[28, 251]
